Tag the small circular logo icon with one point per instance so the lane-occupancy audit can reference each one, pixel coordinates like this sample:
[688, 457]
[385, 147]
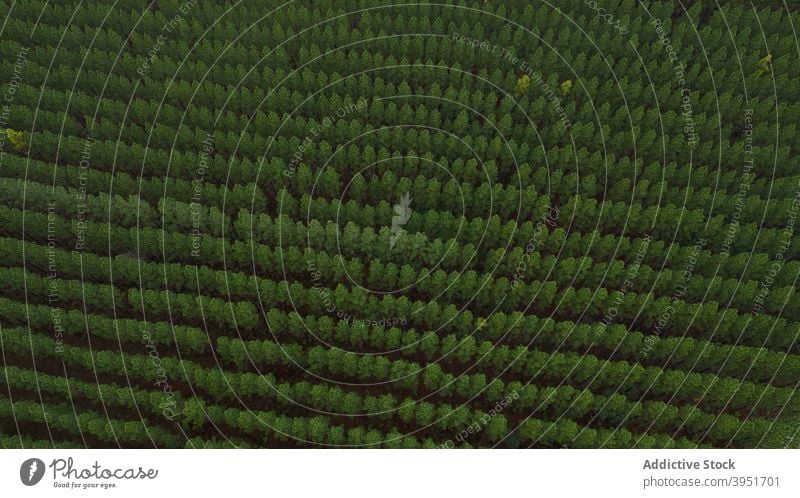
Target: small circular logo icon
[31, 471]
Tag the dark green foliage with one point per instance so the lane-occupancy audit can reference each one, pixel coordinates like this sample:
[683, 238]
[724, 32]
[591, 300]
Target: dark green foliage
[351, 227]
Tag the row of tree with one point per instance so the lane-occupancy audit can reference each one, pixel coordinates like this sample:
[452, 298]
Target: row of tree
[88, 423]
[449, 281]
[581, 214]
[76, 323]
[234, 197]
[232, 135]
[130, 399]
[479, 292]
[726, 393]
[501, 115]
[248, 106]
[747, 268]
[195, 413]
[416, 415]
[443, 198]
[705, 391]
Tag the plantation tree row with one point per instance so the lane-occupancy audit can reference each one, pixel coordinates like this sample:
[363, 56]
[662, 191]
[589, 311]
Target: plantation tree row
[123, 399]
[337, 30]
[87, 423]
[178, 216]
[581, 215]
[222, 385]
[639, 310]
[429, 196]
[461, 285]
[488, 144]
[106, 239]
[684, 352]
[604, 380]
[237, 197]
[160, 140]
[188, 340]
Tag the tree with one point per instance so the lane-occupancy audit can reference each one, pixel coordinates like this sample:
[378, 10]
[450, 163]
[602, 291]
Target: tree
[523, 83]
[17, 139]
[764, 65]
[496, 428]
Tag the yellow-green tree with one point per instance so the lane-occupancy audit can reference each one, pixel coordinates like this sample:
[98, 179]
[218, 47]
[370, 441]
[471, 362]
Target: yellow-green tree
[17, 139]
[764, 65]
[523, 83]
